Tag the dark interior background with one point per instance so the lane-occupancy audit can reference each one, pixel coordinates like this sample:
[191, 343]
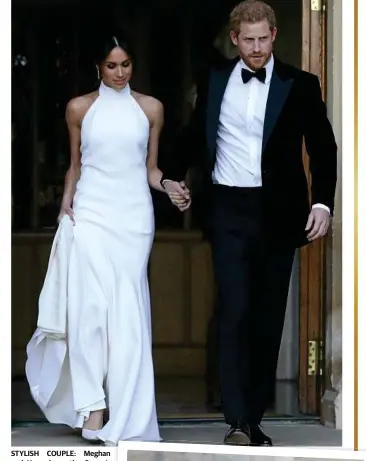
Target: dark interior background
[52, 46]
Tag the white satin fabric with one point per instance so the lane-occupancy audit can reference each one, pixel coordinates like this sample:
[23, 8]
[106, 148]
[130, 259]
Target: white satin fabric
[92, 347]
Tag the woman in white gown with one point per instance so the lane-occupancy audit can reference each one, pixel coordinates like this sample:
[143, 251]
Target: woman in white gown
[107, 363]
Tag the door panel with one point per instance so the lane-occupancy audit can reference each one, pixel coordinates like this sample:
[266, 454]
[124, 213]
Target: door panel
[312, 257]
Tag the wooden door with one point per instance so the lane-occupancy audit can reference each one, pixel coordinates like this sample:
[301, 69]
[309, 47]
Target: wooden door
[312, 257]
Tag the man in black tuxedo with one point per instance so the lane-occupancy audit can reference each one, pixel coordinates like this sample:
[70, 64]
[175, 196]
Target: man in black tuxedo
[251, 117]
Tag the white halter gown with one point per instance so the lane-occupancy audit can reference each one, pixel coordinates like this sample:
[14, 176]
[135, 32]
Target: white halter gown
[109, 359]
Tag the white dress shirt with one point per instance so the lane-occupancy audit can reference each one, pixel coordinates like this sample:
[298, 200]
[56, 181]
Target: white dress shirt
[240, 130]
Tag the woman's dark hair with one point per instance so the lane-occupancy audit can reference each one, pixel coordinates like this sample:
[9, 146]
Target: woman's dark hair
[107, 41]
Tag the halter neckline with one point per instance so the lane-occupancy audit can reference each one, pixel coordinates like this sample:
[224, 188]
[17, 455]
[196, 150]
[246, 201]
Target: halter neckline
[109, 91]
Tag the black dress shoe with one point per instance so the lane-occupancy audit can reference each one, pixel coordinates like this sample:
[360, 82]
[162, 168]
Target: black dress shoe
[259, 438]
[238, 435]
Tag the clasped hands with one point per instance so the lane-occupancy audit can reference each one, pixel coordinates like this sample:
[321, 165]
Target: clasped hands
[179, 194]
[316, 227]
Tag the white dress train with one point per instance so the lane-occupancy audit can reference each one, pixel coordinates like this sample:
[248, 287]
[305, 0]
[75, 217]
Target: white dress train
[106, 358]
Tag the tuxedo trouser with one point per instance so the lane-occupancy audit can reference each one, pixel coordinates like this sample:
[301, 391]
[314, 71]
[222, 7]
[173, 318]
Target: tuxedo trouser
[252, 272]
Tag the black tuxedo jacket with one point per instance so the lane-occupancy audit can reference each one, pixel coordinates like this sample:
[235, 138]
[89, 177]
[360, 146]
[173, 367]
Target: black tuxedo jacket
[295, 112]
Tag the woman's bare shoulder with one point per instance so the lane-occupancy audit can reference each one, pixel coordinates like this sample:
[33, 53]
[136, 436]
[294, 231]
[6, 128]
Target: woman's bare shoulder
[152, 107]
[149, 101]
[77, 107]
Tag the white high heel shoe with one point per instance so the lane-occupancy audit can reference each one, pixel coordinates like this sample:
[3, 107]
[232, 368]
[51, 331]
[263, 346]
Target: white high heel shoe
[89, 434]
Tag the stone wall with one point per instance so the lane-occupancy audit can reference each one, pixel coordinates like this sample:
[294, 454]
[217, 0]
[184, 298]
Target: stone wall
[332, 400]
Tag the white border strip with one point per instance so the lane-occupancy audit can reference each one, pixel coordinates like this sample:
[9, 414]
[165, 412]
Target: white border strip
[315, 452]
[361, 229]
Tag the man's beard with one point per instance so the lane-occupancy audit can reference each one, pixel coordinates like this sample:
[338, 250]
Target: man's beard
[252, 63]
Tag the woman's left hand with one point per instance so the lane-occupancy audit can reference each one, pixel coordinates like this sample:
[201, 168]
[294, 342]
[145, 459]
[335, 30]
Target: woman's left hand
[179, 194]
[180, 202]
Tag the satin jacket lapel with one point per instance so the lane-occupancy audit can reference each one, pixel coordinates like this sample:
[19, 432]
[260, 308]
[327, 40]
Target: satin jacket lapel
[278, 92]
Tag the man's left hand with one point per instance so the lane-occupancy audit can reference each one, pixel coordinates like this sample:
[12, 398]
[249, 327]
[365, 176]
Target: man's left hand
[318, 223]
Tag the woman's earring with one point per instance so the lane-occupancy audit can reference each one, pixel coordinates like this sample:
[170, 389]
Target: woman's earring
[98, 74]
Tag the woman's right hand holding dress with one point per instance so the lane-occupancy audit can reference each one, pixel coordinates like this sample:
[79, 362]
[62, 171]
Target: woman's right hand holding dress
[66, 210]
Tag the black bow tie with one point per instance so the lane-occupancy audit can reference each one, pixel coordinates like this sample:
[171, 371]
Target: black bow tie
[246, 75]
